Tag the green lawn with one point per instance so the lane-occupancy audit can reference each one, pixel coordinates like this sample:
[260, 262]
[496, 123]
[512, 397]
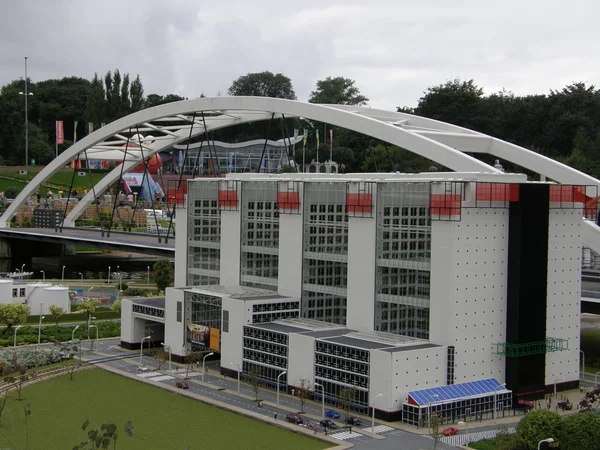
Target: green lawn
[163, 420]
[60, 179]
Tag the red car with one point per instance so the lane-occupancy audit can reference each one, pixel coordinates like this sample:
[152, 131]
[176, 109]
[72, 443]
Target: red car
[182, 385]
[294, 418]
[526, 404]
[450, 431]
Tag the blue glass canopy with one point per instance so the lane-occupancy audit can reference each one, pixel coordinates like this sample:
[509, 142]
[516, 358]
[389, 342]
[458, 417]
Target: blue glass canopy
[456, 391]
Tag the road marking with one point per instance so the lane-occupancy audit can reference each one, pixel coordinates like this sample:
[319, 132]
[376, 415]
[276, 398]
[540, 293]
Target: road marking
[464, 439]
[345, 435]
[150, 374]
[379, 429]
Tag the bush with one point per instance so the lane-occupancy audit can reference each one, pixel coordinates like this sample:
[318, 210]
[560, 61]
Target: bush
[31, 357]
[29, 335]
[11, 192]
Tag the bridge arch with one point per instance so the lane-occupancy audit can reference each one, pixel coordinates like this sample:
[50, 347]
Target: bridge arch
[438, 141]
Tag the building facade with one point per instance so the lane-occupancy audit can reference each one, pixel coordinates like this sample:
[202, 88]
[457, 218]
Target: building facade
[393, 283]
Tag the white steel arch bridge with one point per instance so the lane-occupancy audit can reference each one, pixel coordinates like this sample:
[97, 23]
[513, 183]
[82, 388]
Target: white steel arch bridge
[177, 122]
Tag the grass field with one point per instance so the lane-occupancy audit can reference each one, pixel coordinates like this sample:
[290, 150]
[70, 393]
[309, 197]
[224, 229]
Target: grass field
[163, 420]
[60, 179]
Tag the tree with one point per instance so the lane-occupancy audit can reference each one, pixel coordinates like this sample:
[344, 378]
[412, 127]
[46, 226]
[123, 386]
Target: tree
[304, 392]
[347, 396]
[580, 431]
[162, 356]
[435, 428]
[337, 91]
[155, 99]
[95, 108]
[14, 373]
[537, 425]
[136, 92]
[116, 306]
[88, 307]
[56, 312]
[163, 273]
[590, 401]
[191, 359]
[254, 380]
[263, 84]
[103, 436]
[12, 314]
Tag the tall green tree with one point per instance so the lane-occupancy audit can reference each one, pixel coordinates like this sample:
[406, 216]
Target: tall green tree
[537, 425]
[337, 91]
[136, 93]
[95, 108]
[12, 314]
[163, 273]
[580, 431]
[125, 100]
[156, 99]
[263, 84]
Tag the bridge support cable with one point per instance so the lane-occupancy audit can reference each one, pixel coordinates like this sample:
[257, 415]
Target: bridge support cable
[373, 156]
[210, 154]
[286, 138]
[93, 190]
[187, 148]
[62, 222]
[146, 178]
[119, 184]
[262, 154]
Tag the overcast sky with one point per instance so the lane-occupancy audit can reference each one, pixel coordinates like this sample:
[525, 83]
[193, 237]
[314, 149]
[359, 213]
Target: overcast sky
[393, 50]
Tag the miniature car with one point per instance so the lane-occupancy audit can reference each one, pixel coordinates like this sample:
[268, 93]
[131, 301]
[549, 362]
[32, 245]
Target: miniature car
[350, 420]
[326, 423]
[450, 431]
[294, 418]
[182, 385]
[332, 414]
[565, 405]
[525, 404]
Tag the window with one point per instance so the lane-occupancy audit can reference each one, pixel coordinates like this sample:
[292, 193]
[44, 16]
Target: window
[15, 292]
[225, 321]
[22, 292]
[179, 311]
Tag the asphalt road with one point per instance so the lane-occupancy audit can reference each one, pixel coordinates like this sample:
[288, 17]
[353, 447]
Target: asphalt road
[224, 390]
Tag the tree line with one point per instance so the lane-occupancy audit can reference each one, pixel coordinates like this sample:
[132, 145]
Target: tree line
[563, 124]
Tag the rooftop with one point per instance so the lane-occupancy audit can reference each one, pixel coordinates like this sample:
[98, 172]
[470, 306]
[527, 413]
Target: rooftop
[154, 302]
[236, 292]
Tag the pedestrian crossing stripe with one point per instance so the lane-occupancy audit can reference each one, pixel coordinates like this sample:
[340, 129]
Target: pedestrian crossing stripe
[379, 429]
[162, 378]
[345, 435]
[464, 439]
[149, 374]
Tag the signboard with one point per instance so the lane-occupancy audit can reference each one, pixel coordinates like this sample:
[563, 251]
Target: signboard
[134, 179]
[60, 132]
[203, 335]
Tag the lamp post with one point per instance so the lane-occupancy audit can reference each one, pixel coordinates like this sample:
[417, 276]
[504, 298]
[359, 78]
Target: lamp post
[62, 279]
[108, 278]
[238, 376]
[278, 377]
[466, 425]
[147, 338]
[26, 94]
[16, 329]
[148, 278]
[81, 277]
[558, 379]
[373, 416]
[583, 363]
[168, 347]
[90, 318]
[40, 325]
[43, 275]
[204, 362]
[549, 441]
[91, 340]
[22, 271]
[503, 385]
[91, 287]
[119, 295]
[322, 398]
[429, 398]
[73, 333]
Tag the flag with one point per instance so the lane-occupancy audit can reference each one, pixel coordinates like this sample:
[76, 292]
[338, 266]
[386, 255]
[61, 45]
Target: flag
[330, 143]
[305, 137]
[60, 132]
[75, 132]
[90, 127]
[317, 139]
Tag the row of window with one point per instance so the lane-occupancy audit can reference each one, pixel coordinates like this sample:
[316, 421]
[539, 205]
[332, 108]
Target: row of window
[270, 317]
[264, 358]
[265, 335]
[282, 306]
[19, 292]
[339, 376]
[148, 310]
[346, 365]
[266, 347]
[330, 348]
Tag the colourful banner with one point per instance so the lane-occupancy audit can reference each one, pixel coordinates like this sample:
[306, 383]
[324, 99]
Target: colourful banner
[305, 137]
[75, 132]
[317, 139]
[60, 132]
[90, 127]
[331, 144]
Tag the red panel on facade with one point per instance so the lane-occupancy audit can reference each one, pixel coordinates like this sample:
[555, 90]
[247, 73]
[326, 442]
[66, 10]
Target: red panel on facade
[411, 401]
[359, 203]
[176, 196]
[567, 194]
[288, 200]
[228, 198]
[445, 204]
[497, 192]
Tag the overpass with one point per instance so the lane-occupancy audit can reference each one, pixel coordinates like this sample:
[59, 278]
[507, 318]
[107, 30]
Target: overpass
[119, 241]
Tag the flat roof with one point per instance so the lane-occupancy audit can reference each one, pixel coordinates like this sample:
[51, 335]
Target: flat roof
[154, 302]
[451, 392]
[353, 342]
[236, 292]
[409, 347]
[274, 326]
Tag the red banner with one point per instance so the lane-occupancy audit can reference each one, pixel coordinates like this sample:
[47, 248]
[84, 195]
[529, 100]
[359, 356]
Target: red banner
[60, 132]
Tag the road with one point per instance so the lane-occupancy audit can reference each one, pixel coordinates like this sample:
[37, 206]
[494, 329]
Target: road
[224, 390]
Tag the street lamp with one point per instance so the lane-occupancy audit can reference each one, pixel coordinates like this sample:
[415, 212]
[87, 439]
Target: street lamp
[147, 338]
[203, 363]
[168, 347]
[91, 340]
[148, 281]
[22, 271]
[503, 385]
[90, 318]
[91, 287]
[373, 417]
[81, 277]
[108, 278]
[558, 379]
[26, 94]
[549, 441]
[62, 280]
[238, 374]
[73, 333]
[43, 276]
[278, 377]
[118, 295]
[466, 425]
[40, 326]
[16, 329]
[322, 398]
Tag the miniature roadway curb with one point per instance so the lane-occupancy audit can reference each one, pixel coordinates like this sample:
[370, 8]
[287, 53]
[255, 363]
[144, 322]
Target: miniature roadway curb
[337, 445]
